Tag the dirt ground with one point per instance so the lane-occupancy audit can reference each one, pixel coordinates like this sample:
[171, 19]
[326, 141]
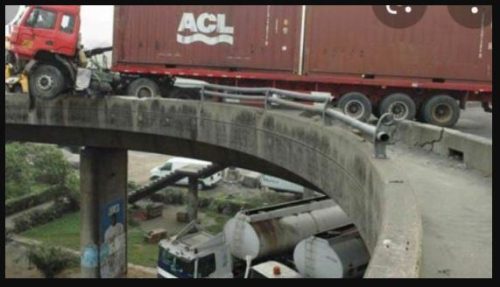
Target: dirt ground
[140, 163]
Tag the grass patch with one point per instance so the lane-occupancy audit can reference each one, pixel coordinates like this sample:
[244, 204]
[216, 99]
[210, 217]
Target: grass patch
[140, 252]
[65, 231]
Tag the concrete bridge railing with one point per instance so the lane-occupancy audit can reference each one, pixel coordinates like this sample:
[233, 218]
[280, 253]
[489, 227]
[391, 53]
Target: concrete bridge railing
[373, 192]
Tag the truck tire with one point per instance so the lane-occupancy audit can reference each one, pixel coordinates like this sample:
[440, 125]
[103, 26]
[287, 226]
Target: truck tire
[143, 88]
[441, 110]
[400, 105]
[356, 105]
[46, 82]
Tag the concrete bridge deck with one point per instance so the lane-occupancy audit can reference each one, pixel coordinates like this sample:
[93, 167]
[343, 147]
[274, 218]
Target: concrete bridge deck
[383, 197]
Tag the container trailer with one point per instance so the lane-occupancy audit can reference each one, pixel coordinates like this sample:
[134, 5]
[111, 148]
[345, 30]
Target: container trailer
[427, 70]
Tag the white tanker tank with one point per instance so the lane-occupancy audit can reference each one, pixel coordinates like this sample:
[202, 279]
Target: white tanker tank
[262, 232]
[330, 255]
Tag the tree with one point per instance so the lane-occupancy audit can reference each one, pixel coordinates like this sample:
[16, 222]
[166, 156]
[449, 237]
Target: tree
[50, 261]
[18, 178]
[49, 164]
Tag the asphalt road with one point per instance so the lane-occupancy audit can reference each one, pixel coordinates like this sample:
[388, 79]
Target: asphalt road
[475, 121]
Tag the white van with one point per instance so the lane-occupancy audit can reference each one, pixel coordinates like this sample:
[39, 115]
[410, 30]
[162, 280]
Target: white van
[176, 163]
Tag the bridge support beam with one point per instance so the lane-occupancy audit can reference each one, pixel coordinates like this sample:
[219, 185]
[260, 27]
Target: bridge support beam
[103, 227]
[308, 193]
[192, 204]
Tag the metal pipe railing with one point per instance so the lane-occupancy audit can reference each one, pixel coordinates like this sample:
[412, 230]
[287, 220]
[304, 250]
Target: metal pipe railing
[380, 134]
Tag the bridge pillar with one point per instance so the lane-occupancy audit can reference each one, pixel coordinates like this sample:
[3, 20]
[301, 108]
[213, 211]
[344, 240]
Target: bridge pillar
[192, 204]
[103, 214]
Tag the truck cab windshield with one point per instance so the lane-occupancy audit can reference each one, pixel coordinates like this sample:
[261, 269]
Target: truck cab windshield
[176, 266]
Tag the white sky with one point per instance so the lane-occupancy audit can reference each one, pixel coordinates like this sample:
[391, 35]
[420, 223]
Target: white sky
[97, 26]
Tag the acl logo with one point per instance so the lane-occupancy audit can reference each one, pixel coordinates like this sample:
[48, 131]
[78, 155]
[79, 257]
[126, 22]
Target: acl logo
[205, 24]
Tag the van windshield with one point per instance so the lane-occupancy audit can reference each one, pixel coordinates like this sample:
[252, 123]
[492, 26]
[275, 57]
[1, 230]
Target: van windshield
[167, 166]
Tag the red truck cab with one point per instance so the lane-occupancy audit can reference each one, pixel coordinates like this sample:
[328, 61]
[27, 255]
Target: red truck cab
[46, 28]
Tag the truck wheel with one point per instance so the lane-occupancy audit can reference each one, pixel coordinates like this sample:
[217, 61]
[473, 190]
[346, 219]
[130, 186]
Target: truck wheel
[400, 105]
[143, 88]
[441, 110]
[356, 105]
[46, 82]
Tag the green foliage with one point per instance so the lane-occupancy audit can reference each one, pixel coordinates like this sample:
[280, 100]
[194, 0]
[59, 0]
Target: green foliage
[18, 178]
[41, 216]
[29, 200]
[71, 187]
[49, 164]
[132, 185]
[28, 164]
[49, 260]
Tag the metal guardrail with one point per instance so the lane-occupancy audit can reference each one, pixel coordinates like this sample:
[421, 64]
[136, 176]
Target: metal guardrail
[380, 134]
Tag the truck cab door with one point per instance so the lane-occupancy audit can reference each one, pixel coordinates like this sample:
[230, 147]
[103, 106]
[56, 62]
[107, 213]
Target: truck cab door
[66, 34]
[38, 31]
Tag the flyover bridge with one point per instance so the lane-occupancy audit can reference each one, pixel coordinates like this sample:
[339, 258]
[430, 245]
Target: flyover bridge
[374, 192]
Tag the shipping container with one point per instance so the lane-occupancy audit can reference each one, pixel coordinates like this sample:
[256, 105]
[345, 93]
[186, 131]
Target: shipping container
[424, 67]
[231, 37]
[351, 40]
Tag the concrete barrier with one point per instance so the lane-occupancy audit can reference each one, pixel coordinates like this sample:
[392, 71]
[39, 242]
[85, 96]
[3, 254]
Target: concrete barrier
[373, 192]
[474, 151]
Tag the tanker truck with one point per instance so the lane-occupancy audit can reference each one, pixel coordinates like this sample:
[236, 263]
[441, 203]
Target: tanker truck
[253, 236]
[339, 253]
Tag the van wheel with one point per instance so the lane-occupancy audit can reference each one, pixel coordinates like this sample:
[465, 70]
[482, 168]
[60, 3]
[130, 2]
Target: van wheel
[143, 88]
[356, 105]
[441, 110]
[400, 105]
[201, 186]
[46, 82]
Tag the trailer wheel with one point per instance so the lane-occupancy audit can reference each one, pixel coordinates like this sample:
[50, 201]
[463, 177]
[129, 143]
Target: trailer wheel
[143, 88]
[400, 105]
[441, 110]
[356, 105]
[46, 82]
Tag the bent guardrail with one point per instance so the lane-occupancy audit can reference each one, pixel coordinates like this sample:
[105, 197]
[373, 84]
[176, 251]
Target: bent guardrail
[380, 134]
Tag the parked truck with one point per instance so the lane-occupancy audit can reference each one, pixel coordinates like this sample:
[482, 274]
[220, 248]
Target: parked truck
[427, 70]
[251, 237]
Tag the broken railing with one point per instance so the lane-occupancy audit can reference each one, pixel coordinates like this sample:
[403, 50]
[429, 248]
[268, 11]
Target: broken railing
[380, 134]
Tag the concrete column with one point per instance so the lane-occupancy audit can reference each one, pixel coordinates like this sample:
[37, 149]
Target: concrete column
[192, 204]
[103, 214]
[308, 193]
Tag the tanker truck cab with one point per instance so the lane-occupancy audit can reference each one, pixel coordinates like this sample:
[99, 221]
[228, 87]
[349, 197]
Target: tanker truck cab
[194, 255]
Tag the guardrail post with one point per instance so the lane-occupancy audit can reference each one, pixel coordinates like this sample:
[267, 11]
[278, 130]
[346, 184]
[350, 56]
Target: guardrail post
[266, 96]
[323, 113]
[385, 127]
[202, 94]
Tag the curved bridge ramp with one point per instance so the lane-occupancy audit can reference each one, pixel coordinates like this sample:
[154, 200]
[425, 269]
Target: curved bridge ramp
[372, 192]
